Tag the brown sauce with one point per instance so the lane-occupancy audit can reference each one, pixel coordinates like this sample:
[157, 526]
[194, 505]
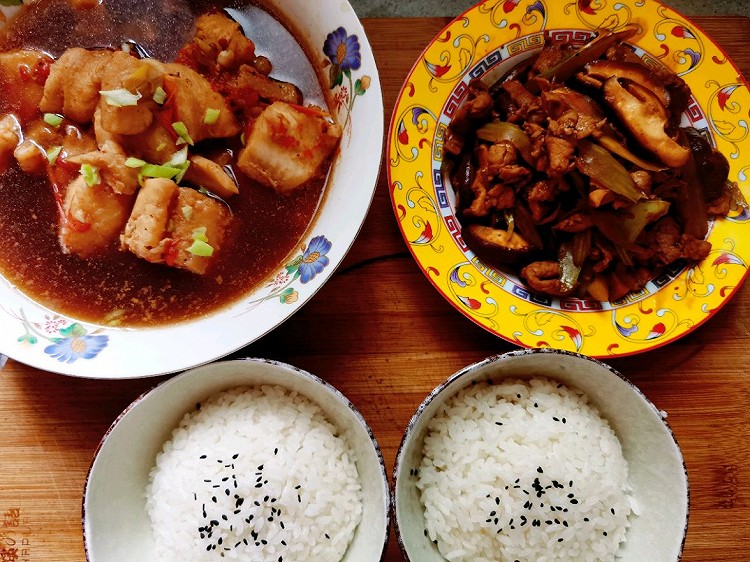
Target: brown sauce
[267, 227]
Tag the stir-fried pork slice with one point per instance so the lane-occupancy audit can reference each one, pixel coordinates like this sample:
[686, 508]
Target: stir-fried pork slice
[110, 163]
[667, 243]
[74, 83]
[22, 76]
[176, 226]
[525, 105]
[207, 173]
[93, 217]
[504, 165]
[481, 203]
[560, 155]
[476, 108]
[190, 98]
[287, 146]
[124, 72]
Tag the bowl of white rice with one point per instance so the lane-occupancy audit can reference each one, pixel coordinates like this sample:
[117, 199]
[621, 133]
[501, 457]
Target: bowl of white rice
[539, 455]
[238, 460]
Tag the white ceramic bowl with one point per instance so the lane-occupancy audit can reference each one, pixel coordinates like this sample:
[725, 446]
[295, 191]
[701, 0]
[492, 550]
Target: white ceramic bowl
[657, 472]
[43, 338]
[116, 524]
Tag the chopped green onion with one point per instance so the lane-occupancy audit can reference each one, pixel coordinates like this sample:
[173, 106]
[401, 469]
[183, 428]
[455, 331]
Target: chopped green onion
[160, 96]
[181, 129]
[90, 174]
[200, 234]
[183, 169]
[120, 97]
[53, 119]
[161, 146]
[156, 171]
[201, 249]
[211, 116]
[178, 158]
[52, 154]
[134, 162]
[200, 246]
[180, 161]
[187, 211]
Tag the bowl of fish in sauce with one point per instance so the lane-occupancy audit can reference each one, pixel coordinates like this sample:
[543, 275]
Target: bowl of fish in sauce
[539, 455]
[192, 186]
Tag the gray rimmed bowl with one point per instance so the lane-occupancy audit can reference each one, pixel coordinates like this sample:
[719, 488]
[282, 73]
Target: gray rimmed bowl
[657, 471]
[116, 524]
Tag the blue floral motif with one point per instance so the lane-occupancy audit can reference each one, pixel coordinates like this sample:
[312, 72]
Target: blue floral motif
[69, 350]
[76, 344]
[314, 259]
[343, 50]
[344, 55]
[67, 341]
[304, 267]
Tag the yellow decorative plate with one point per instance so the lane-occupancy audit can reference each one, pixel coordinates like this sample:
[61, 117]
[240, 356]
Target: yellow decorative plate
[494, 36]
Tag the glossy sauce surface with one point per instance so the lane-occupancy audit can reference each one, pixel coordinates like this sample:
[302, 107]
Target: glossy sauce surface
[266, 229]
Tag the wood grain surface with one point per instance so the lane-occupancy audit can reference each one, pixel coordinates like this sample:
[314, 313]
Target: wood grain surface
[380, 333]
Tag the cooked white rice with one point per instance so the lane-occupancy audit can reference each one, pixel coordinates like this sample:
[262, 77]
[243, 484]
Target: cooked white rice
[523, 470]
[255, 474]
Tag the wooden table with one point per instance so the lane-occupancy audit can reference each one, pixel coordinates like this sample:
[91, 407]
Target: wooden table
[389, 339]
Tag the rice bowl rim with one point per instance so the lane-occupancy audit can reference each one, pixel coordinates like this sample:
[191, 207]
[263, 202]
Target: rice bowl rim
[453, 382]
[290, 370]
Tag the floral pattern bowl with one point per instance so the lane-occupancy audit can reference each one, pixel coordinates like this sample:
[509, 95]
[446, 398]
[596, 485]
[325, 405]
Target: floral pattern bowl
[494, 36]
[333, 36]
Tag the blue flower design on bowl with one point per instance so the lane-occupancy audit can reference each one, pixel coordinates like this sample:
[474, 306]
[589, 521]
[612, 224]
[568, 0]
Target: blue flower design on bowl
[343, 50]
[314, 258]
[67, 340]
[76, 344]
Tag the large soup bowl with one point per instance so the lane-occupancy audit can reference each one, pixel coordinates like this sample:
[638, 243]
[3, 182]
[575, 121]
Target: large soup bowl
[331, 34]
